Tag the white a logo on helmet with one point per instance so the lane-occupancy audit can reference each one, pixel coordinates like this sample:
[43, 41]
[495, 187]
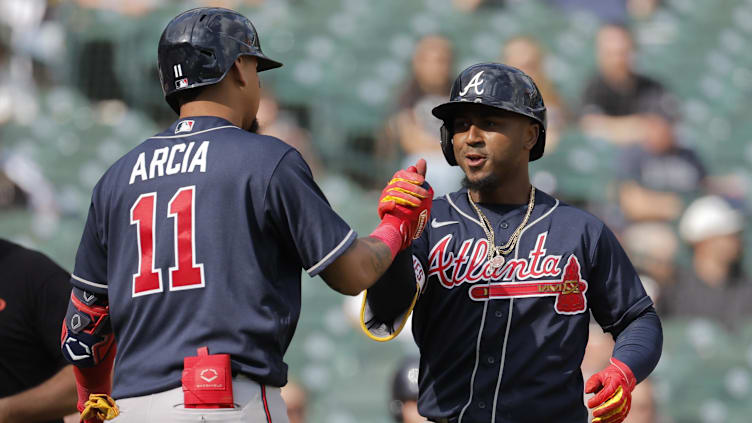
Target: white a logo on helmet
[475, 83]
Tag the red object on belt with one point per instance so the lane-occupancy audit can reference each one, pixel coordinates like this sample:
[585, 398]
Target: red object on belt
[207, 380]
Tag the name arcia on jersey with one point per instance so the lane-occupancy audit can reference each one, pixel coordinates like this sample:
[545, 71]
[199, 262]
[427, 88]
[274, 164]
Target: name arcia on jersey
[471, 264]
[180, 158]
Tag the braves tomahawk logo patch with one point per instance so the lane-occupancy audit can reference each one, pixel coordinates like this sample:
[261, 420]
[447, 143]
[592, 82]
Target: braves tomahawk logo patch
[569, 290]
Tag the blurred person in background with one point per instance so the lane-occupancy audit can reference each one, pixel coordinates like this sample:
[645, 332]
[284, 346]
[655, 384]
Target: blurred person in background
[642, 9]
[296, 400]
[605, 10]
[36, 384]
[130, 7]
[473, 5]
[643, 404]
[404, 396]
[658, 175]
[275, 121]
[598, 351]
[611, 10]
[715, 286]
[413, 126]
[616, 94]
[526, 54]
[19, 25]
[22, 182]
[653, 246]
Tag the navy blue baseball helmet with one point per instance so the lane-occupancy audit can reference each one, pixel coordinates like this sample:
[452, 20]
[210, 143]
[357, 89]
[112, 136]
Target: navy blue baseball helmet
[199, 46]
[496, 86]
[404, 385]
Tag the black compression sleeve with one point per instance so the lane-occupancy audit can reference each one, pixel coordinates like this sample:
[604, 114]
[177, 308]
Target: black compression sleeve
[393, 293]
[640, 344]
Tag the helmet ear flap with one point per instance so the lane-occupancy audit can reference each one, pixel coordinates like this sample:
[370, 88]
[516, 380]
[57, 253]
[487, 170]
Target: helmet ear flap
[446, 144]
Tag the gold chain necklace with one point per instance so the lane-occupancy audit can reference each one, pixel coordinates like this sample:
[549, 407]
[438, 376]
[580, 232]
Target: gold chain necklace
[496, 253]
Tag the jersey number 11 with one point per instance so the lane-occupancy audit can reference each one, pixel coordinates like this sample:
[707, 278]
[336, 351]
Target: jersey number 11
[186, 274]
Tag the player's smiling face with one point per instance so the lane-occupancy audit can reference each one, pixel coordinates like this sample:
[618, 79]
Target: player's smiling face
[491, 143]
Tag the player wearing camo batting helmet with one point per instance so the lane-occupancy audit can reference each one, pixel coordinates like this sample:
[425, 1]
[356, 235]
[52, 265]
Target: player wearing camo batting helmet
[191, 256]
[506, 278]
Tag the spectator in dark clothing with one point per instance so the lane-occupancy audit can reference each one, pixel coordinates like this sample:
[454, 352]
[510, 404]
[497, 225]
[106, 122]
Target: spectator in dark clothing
[36, 384]
[617, 95]
[658, 175]
[413, 126]
[715, 286]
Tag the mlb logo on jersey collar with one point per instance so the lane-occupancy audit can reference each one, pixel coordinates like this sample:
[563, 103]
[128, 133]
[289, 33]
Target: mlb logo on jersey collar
[184, 126]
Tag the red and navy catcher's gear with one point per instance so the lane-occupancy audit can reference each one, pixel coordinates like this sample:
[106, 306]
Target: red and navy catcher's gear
[496, 86]
[87, 333]
[200, 45]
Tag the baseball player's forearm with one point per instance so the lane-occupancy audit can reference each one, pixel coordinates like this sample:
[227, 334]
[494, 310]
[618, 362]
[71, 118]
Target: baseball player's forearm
[359, 267]
[394, 291]
[50, 400]
[640, 344]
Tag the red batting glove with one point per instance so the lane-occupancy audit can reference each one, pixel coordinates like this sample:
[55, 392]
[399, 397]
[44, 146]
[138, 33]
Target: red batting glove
[614, 386]
[404, 207]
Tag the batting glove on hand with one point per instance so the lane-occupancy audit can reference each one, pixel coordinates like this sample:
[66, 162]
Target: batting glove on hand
[99, 407]
[613, 387]
[404, 207]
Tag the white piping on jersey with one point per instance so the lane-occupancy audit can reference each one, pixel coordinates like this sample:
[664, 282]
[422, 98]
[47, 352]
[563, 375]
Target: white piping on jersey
[94, 284]
[509, 316]
[477, 360]
[194, 133]
[331, 253]
[477, 222]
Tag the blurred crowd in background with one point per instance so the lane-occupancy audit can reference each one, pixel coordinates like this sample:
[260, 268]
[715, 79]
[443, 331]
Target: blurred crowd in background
[648, 128]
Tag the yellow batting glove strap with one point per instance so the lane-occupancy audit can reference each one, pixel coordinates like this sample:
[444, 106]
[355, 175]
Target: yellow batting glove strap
[616, 398]
[407, 191]
[399, 200]
[410, 181]
[100, 406]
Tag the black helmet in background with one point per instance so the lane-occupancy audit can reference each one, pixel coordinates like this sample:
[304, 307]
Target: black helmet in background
[404, 386]
[496, 86]
[199, 46]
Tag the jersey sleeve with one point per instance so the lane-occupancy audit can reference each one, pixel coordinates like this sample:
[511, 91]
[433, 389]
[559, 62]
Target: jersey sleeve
[90, 271]
[616, 295]
[303, 216]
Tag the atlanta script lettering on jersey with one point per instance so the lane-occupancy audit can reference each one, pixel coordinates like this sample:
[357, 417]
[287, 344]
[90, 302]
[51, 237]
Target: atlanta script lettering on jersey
[180, 158]
[471, 264]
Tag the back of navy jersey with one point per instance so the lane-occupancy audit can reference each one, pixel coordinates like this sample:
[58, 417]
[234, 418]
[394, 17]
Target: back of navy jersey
[198, 237]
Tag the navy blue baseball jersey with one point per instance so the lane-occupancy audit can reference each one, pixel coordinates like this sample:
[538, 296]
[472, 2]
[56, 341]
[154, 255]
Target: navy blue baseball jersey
[198, 237]
[505, 344]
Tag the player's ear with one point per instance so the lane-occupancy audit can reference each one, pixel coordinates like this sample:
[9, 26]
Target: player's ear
[236, 72]
[243, 71]
[531, 134]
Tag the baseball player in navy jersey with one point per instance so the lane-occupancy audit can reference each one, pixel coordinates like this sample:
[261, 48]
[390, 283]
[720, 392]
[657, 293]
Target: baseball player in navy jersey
[508, 276]
[190, 260]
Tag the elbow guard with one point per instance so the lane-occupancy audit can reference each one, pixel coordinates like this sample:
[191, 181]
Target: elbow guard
[87, 333]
